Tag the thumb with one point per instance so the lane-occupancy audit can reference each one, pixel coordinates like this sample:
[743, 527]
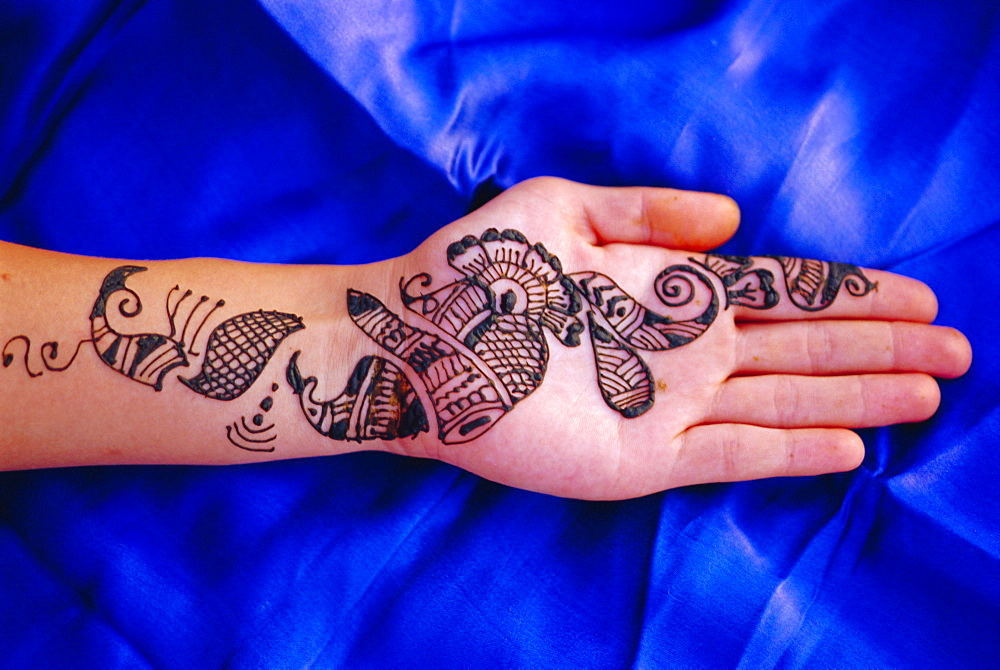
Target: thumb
[662, 217]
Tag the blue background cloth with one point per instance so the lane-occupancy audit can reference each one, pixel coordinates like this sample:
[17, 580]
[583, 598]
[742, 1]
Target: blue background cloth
[847, 130]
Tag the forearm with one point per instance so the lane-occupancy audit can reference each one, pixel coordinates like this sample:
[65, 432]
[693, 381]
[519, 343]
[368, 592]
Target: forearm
[185, 379]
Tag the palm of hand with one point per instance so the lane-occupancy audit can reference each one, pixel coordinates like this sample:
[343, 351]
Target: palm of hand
[615, 370]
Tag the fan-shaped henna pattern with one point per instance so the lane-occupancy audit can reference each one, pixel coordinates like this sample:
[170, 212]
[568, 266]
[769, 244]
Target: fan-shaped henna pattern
[503, 275]
[510, 291]
[238, 350]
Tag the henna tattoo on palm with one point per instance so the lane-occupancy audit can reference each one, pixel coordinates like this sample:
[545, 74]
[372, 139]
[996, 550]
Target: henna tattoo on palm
[481, 347]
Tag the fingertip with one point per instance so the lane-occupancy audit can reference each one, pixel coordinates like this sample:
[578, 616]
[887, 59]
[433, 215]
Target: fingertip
[956, 353]
[926, 397]
[905, 298]
[820, 451]
[847, 450]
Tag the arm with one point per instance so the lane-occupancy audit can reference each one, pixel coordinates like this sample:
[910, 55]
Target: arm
[133, 338]
[548, 341]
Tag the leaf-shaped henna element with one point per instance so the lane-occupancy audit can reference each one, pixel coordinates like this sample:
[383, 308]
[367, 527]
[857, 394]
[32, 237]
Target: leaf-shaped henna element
[623, 377]
[238, 350]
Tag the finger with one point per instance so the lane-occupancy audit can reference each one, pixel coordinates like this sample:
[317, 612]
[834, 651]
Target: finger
[855, 401]
[765, 288]
[844, 347]
[734, 452]
[663, 217]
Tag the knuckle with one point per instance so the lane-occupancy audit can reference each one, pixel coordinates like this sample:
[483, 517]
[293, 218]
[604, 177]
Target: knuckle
[730, 448]
[819, 346]
[787, 401]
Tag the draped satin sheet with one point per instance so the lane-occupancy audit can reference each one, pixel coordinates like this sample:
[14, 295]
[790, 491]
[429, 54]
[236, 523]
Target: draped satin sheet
[347, 132]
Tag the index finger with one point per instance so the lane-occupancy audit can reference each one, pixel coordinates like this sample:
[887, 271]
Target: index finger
[781, 288]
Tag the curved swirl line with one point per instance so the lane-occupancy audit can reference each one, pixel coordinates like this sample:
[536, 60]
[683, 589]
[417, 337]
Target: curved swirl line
[50, 350]
[668, 290]
[859, 288]
[8, 357]
[122, 305]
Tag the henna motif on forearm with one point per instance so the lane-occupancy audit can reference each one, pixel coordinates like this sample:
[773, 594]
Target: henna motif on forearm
[378, 403]
[255, 435]
[237, 351]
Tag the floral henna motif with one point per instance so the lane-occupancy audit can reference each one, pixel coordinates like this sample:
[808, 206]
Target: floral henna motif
[483, 348]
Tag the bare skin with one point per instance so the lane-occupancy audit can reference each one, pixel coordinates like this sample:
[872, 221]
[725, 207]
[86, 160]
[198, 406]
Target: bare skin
[756, 393]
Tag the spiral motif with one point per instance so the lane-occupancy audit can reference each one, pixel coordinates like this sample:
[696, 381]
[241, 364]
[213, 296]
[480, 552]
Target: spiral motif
[123, 305]
[675, 286]
[858, 287]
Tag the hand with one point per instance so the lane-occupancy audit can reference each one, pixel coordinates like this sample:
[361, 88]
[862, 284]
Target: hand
[623, 366]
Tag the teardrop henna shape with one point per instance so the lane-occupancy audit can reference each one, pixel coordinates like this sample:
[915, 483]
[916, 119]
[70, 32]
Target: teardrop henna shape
[238, 350]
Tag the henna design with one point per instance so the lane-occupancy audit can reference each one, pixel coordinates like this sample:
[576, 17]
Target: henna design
[238, 349]
[146, 357]
[676, 287]
[467, 395]
[378, 403]
[484, 349]
[254, 438]
[49, 352]
[812, 285]
[744, 286]
[626, 383]
[624, 379]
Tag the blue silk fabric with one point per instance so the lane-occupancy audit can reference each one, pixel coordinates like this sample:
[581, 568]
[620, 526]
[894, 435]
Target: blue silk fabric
[346, 132]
